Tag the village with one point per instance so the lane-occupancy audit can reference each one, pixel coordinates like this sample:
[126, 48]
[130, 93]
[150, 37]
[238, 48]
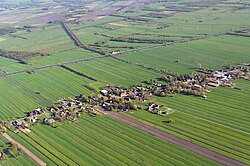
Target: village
[118, 98]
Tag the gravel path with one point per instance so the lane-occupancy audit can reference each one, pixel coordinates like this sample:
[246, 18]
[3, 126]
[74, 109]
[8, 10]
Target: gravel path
[29, 153]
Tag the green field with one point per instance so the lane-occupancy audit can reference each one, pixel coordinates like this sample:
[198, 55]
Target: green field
[51, 39]
[219, 123]
[197, 33]
[213, 53]
[25, 92]
[103, 141]
[23, 159]
[112, 71]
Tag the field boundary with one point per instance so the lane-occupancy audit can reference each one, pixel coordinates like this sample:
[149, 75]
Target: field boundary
[175, 140]
[25, 150]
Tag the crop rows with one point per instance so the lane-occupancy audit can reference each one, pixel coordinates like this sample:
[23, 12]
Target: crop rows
[94, 141]
[24, 93]
[114, 72]
[221, 126]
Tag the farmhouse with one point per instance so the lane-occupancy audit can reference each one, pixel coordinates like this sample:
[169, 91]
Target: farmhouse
[49, 120]
[153, 107]
[211, 84]
[104, 92]
[32, 119]
[160, 112]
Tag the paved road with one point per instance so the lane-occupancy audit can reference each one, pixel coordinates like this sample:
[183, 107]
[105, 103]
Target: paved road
[176, 140]
[29, 153]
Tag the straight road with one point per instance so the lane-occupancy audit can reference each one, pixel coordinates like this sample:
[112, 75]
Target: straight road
[175, 140]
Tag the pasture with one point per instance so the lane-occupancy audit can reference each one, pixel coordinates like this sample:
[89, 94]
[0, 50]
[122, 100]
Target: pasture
[219, 123]
[25, 92]
[112, 71]
[213, 33]
[23, 159]
[103, 141]
[212, 53]
[50, 39]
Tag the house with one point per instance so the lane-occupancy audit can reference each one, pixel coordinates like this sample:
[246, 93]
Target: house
[127, 98]
[153, 107]
[49, 120]
[78, 103]
[104, 92]
[115, 52]
[219, 74]
[16, 123]
[211, 79]
[197, 87]
[32, 119]
[211, 84]
[160, 112]
[69, 105]
[123, 93]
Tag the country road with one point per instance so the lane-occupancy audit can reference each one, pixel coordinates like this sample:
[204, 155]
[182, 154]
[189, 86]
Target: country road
[175, 140]
[29, 153]
[107, 55]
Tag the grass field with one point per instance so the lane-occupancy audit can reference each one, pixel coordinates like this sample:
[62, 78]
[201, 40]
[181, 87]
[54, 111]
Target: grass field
[23, 159]
[212, 53]
[8, 65]
[103, 141]
[112, 71]
[219, 123]
[21, 92]
[51, 39]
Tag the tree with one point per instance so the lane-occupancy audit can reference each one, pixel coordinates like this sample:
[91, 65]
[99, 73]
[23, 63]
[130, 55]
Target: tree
[13, 150]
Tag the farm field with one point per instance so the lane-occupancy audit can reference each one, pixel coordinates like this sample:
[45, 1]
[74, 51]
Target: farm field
[51, 39]
[24, 93]
[62, 57]
[8, 65]
[112, 71]
[213, 53]
[103, 141]
[23, 159]
[219, 123]
[70, 50]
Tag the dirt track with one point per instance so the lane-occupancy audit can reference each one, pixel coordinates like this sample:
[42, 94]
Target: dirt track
[176, 140]
[29, 153]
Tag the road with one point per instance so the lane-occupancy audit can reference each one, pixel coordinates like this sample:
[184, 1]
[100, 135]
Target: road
[122, 53]
[93, 58]
[51, 66]
[25, 150]
[175, 140]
